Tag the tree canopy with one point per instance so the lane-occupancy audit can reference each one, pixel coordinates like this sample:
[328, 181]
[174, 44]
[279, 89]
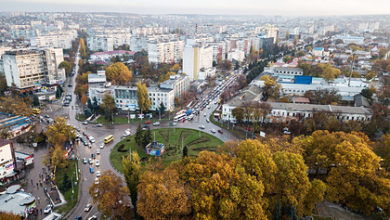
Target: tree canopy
[118, 73]
[144, 102]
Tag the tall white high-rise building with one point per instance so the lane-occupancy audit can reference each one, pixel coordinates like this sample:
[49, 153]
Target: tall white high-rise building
[196, 58]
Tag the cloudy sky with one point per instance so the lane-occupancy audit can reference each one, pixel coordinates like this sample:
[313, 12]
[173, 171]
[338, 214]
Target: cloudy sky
[254, 7]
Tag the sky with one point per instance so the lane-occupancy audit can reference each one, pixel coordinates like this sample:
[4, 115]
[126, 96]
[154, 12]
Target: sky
[236, 7]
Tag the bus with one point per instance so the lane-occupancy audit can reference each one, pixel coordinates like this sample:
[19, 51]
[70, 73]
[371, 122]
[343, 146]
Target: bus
[108, 139]
[179, 117]
[36, 111]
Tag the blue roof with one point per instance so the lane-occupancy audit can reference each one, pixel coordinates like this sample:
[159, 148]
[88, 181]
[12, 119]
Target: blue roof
[318, 48]
[303, 80]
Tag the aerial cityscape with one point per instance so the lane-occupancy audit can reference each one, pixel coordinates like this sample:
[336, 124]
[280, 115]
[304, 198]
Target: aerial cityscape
[195, 110]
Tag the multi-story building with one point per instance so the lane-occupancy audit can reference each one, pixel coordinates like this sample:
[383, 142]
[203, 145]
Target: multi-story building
[196, 58]
[179, 83]
[126, 97]
[100, 42]
[30, 68]
[61, 40]
[165, 51]
[138, 44]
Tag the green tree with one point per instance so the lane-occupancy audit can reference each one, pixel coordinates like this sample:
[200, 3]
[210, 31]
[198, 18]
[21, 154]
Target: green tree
[143, 100]
[89, 104]
[35, 100]
[162, 108]
[67, 66]
[108, 105]
[118, 73]
[185, 151]
[132, 170]
[147, 138]
[138, 135]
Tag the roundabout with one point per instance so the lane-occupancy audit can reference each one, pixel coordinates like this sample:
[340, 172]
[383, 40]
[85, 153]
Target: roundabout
[173, 139]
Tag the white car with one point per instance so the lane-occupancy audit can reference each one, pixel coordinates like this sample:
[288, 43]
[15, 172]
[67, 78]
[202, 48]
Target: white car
[204, 115]
[102, 146]
[91, 139]
[97, 163]
[156, 123]
[98, 173]
[98, 151]
[96, 180]
[48, 208]
[201, 126]
[212, 130]
[88, 207]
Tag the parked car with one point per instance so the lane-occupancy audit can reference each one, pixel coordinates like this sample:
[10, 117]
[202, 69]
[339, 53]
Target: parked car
[201, 126]
[92, 218]
[156, 123]
[212, 130]
[85, 122]
[99, 125]
[90, 161]
[85, 160]
[78, 218]
[220, 131]
[48, 208]
[207, 120]
[98, 173]
[96, 180]
[91, 170]
[97, 163]
[98, 151]
[101, 146]
[88, 207]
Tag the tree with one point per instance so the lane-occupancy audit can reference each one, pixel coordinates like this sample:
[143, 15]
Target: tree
[351, 167]
[118, 73]
[9, 216]
[83, 51]
[84, 99]
[146, 138]
[67, 66]
[14, 104]
[108, 105]
[162, 195]
[185, 151]
[162, 108]
[316, 194]
[59, 132]
[132, 170]
[271, 88]
[110, 195]
[238, 114]
[225, 65]
[138, 135]
[176, 67]
[58, 159]
[367, 93]
[143, 100]
[3, 83]
[35, 100]
[382, 149]
[89, 104]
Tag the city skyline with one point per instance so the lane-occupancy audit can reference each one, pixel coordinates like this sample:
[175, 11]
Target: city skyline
[249, 7]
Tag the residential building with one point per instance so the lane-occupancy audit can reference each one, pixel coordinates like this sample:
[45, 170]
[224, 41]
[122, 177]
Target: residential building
[98, 78]
[179, 83]
[165, 51]
[31, 68]
[196, 58]
[106, 56]
[61, 40]
[318, 51]
[100, 42]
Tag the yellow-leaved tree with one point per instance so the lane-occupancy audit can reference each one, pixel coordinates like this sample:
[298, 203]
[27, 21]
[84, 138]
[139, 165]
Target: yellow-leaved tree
[118, 73]
[143, 100]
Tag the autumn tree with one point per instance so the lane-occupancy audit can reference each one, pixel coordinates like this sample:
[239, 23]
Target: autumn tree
[382, 149]
[59, 132]
[132, 170]
[110, 195]
[271, 88]
[118, 73]
[143, 100]
[108, 105]
[9, 216]
[13, 104]
[238, 114]
[162, 195]
[83, 51]
[351, 167]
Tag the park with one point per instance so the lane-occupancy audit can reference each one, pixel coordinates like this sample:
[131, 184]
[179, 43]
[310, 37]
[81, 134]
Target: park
[174, 139]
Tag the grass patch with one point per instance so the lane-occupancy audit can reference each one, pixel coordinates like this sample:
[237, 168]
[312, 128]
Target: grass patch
[195, 141]
[70, 198]
[124, 120]
[81, 117]
[236, 132]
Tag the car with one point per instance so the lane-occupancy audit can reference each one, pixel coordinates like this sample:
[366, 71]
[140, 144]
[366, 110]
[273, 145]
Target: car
[156, 123]
[101, 146]
[91, 139]
[93, 156]
[98, 151]
[91, 170]
[96, 180]
[207, 120]
[98, 173]
[97, 163]
[47, 116]
[99, 125]
[70, 85]
[145, 127]
[201, 126]
[85, 122]
[84, 133]
[212, 130]
[88, 207]
[90, 161]
[204, 115]
[86, 143]
[85, 160]
[148, 122]
[78, 218]
[92, 218]
[48, 209]
[220, 131]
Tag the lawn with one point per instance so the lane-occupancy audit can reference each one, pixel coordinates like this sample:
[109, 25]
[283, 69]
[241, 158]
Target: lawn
[124, 120]
[70, 198]
[195, 141]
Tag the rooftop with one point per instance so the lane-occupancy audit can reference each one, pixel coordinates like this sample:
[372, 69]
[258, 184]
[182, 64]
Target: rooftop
[15, 202]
